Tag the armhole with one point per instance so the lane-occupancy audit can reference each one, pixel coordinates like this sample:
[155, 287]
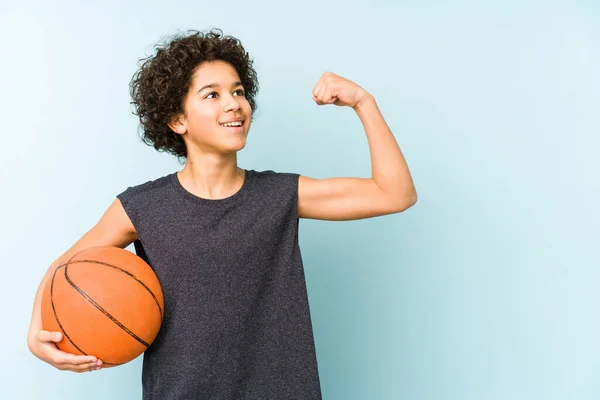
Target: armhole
[295, 178]
[126, 202]
[294, 182]
[139, 250]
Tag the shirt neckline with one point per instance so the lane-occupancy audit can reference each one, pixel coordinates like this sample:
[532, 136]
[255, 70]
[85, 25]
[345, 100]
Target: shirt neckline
[201, 200]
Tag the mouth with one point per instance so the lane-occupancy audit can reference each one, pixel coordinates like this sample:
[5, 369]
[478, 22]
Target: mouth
[233, 124]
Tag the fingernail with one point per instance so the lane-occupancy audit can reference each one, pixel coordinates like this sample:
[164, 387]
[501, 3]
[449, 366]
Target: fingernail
[57, 336]
[99, 362]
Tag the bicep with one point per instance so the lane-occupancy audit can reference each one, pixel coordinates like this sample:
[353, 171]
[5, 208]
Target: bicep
[343, 199]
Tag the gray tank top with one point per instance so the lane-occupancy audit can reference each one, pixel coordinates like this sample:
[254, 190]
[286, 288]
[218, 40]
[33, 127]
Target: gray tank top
[237, 322]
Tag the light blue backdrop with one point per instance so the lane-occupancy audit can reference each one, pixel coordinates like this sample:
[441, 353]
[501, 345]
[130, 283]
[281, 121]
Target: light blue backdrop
[487, 289]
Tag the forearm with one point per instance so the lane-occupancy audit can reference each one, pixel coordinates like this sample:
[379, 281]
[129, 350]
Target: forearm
[36, 314]
[388, 167]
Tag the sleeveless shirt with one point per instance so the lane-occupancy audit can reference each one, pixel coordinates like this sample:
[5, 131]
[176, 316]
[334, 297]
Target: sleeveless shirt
[236, 322]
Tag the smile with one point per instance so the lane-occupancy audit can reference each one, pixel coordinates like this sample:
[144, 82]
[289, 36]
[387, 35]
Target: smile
[233, 124]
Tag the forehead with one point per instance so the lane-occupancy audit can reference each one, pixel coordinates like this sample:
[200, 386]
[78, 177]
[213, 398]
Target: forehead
[214, 72]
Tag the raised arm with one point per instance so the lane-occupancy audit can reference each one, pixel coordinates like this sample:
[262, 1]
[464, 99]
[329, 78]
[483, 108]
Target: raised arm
[390, 188]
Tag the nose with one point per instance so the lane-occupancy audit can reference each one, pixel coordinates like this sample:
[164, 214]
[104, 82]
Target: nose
[230, 103]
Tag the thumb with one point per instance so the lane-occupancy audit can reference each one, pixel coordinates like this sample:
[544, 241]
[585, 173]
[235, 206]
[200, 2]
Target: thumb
[46, 336]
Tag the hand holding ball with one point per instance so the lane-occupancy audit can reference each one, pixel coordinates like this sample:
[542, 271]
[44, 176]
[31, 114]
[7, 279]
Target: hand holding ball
[107, 302]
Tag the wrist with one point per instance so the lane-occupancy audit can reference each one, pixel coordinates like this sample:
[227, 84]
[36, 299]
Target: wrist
[365, 100]
[366, 106]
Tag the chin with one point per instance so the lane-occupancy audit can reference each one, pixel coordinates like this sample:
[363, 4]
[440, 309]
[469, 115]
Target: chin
[234, 147]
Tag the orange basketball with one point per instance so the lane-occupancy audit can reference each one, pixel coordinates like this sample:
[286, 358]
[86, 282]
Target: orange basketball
[107, 302]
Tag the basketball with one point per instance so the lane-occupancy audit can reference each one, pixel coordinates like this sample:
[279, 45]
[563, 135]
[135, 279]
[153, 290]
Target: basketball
[107, 302]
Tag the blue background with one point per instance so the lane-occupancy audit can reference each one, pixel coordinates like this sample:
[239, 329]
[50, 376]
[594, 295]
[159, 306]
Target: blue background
[488, 288]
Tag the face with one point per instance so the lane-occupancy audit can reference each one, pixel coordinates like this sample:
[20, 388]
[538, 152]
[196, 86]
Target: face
[217, 114]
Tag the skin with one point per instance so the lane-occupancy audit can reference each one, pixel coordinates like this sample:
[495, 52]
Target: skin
[212, 172]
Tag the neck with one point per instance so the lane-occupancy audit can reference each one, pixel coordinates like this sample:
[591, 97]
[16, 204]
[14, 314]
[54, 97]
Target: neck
[212, 177]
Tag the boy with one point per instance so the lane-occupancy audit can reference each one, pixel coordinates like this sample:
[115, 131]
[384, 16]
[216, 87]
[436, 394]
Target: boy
[223, 240]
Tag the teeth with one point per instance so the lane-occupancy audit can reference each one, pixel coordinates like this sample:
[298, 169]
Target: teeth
[238, 123]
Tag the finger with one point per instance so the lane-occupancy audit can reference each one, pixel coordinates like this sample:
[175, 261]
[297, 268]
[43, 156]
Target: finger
[318, 89]
[78, 368]
[317, 100]
[317, 96]
[330, 94]
[330, 97]
[322, 92]
[87, 367]
[79, 360]
[334, 95]
[95, 366]
[47, 336]
[65, 358]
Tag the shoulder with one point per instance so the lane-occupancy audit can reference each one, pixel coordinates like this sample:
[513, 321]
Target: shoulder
[145, 188]
[275, 179]
[277, 188]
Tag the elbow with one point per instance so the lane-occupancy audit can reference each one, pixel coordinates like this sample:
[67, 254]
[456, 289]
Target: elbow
[406, 201]
[412, 200]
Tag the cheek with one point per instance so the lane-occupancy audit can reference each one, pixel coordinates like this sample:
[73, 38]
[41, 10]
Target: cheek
[246, 107]
[201, 116]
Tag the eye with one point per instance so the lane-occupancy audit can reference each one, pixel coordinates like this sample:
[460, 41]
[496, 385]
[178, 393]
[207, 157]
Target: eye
[208, 96]
[241, 92]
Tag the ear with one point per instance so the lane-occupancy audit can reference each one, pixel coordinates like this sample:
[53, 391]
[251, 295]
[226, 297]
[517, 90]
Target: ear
[177, 124]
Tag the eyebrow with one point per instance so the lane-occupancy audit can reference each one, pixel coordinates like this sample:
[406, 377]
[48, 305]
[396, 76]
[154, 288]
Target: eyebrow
[214, 85]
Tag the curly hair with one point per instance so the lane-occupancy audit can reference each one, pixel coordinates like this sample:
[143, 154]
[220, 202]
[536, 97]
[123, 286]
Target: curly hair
[159, 87]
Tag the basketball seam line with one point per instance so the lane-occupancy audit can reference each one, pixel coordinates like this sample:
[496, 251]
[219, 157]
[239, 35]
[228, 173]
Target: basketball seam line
[160, 310]
[99, 307]
[64, 332]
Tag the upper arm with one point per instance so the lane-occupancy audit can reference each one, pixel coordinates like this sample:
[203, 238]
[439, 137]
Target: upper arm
[113, 229]
[342, 199]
